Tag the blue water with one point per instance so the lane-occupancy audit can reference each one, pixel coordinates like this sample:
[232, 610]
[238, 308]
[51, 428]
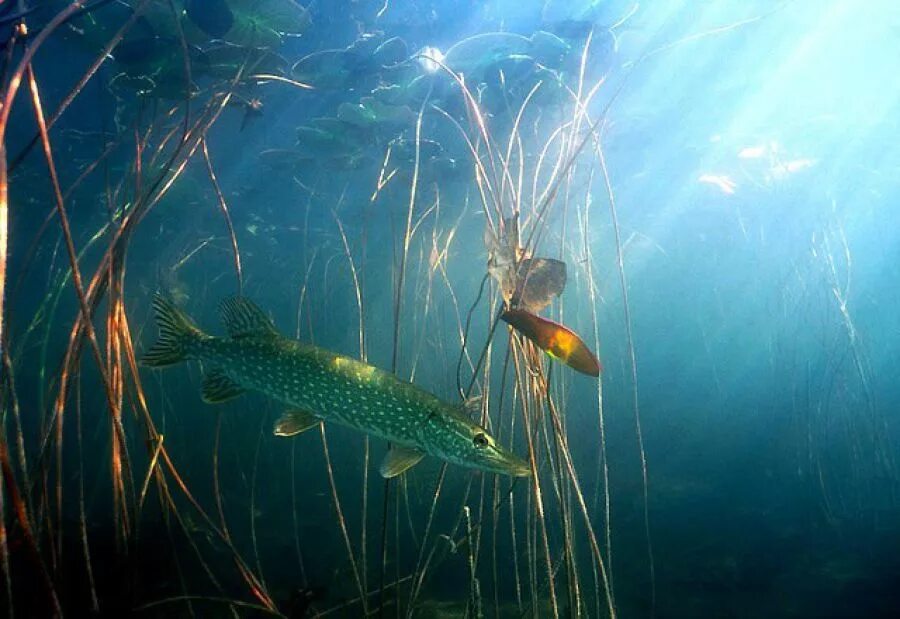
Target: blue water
[747, 206]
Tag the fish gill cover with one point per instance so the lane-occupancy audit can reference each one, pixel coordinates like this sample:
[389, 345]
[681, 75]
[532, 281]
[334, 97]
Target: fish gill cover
[450, 215]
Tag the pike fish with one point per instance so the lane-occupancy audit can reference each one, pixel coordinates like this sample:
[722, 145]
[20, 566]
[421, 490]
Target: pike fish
[320, 385]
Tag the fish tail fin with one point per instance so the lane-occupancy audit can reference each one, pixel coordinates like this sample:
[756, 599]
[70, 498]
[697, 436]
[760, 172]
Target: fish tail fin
[176, 332]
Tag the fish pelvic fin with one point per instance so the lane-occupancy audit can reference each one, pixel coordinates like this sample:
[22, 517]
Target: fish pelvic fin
[398, 460]
[176, 332]
[217, 387]
[294, 422]
[243, 318]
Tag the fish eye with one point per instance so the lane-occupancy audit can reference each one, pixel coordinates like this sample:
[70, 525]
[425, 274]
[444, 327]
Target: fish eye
[480, 440]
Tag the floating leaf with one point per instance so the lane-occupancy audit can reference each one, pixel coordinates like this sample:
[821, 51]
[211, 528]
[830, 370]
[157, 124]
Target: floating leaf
[255, 23]
[352, 161]
[370, 112]
[261, 23]
[391, 52]
[356, 114]
[405, 149]
[317, 140]
[212, 16]
[226, 59]
[555, 339]
[473, 55]
[446, 168]
[387, 114]
[283, 159]
[391, 94]
[92, 30]
[548, 49]
[165, 81]
[365, 46]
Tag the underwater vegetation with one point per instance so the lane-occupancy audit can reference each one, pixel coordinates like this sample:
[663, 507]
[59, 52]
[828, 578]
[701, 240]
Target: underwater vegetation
[559, 309]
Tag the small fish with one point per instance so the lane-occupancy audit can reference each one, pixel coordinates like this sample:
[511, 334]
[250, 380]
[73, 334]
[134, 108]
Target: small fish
[253, 108]
[320, 385]
[555, 339]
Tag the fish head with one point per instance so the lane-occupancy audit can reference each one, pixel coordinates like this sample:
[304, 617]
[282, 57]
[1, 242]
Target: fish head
[457, 439]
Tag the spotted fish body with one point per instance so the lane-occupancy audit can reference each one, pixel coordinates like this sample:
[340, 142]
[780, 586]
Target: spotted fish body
[324, 386]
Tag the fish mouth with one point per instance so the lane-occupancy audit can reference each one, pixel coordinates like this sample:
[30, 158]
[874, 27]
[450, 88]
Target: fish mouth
[510, 464]
[521, 469]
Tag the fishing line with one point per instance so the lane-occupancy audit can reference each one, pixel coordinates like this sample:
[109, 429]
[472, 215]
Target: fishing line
[462, 350]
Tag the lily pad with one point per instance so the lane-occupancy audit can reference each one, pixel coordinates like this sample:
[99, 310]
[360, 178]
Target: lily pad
[390, 114]
[214, 17]
[92, 30]
[285, 159]
[255, 23]
[328, 125]
[404, 149]
[370, 112]
[365, 45]
[446, 168]
[326, 70]
[474, 56]
[353, 161]
[226, 59]
[356, 114]
[548, 49]
[392, 51]
[334, 142]
[311, 138]
[391, 94]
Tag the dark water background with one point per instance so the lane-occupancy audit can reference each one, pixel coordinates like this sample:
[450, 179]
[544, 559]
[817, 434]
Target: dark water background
[754, 160]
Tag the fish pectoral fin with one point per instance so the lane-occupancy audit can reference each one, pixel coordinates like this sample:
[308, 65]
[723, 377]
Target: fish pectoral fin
[218, 388]
[398, 459]
[294, 422]
[243, 318]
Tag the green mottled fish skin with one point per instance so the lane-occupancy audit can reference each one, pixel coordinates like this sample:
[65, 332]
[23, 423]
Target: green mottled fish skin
[343, 390]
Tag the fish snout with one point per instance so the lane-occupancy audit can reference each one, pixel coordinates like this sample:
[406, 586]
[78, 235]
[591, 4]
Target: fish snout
[520, 468]
[512, 464]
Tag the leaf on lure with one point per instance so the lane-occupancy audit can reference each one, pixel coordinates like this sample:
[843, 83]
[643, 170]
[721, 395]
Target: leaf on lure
[555, 339]
[525, 282]
[538, 280]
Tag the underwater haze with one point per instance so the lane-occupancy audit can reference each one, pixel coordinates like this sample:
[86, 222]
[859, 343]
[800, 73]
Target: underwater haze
[450, 308]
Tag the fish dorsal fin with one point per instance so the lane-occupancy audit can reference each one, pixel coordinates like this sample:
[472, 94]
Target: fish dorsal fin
[218, 388]
[294, 422]
[243, 318]
[398, 460]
